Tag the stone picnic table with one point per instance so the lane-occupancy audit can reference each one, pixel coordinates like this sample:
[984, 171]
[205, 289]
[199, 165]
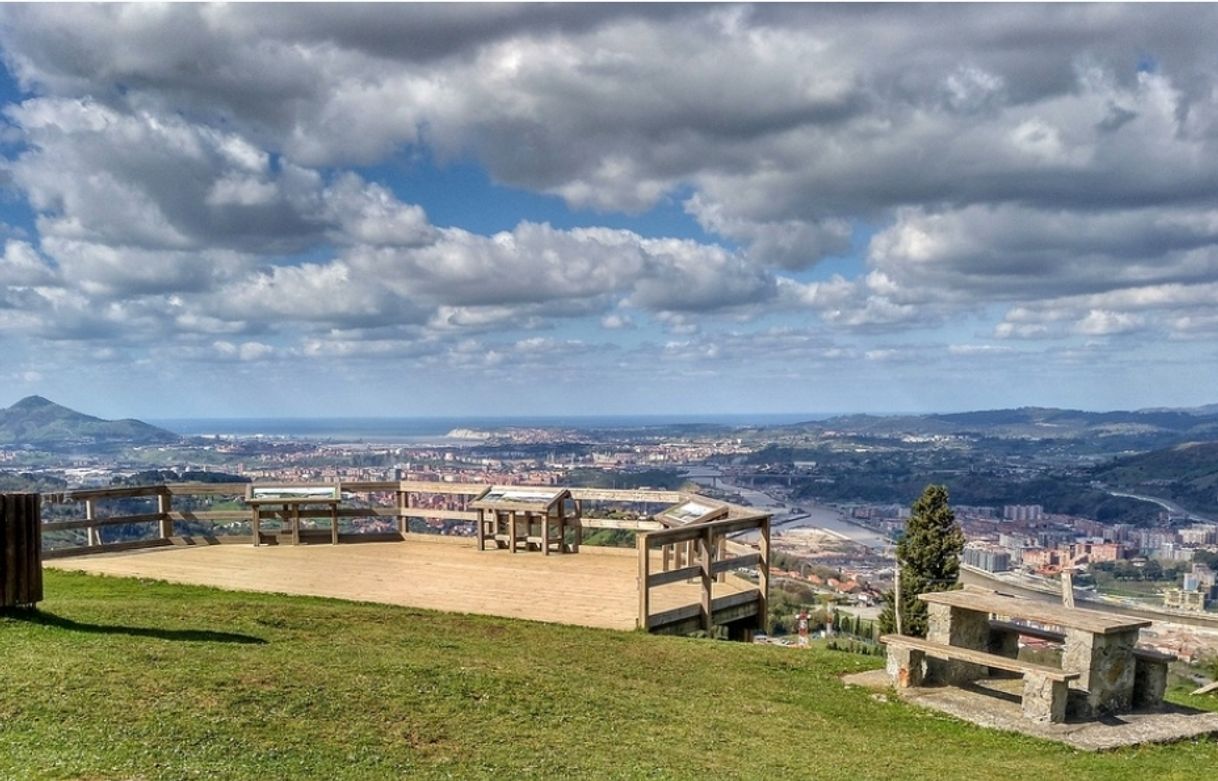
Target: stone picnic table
[971, 631]
[1099, 646]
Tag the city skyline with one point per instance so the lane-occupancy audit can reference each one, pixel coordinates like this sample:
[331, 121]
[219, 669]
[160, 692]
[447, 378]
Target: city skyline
[568, 210]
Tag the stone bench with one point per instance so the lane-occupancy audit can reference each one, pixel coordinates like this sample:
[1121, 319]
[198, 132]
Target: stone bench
[1150, 666]
[1044, 688]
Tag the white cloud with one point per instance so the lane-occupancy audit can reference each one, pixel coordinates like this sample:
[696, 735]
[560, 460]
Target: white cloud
[246, 351]
[191, 169]
[614, 322]
[22, 266]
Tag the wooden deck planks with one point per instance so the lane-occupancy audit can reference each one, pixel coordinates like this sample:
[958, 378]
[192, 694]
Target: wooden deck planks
[597, 588]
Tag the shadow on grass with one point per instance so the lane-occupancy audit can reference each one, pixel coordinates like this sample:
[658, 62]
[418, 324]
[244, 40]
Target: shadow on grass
[43, 618]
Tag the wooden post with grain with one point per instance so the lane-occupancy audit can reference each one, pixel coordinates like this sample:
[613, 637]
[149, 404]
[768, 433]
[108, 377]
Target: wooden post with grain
[20, 550]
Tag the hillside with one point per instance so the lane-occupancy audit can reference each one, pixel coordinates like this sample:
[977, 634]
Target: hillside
[1186, 474]
[38, 422]
[1139, 428]
[124, 679]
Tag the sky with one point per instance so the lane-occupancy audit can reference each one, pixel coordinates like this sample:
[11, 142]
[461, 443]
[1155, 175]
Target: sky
[414, 210]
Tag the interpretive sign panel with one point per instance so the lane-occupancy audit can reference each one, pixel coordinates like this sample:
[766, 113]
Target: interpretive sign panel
[292, 494]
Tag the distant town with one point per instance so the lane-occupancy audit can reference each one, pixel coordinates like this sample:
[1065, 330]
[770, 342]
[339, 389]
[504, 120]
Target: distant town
[840, 492]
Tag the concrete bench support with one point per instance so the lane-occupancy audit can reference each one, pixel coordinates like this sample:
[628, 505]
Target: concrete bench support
[1045, 689]
[1044, 699]
[1149, 678]
[906, 666]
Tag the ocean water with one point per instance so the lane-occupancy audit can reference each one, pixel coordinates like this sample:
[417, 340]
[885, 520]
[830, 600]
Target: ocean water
[415, 429]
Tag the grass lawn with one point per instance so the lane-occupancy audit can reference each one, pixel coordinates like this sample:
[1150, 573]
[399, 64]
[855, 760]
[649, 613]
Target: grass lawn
[122, 679]
[1140, 589]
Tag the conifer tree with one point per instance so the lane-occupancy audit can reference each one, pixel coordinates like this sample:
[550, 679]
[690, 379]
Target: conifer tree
[929, 560]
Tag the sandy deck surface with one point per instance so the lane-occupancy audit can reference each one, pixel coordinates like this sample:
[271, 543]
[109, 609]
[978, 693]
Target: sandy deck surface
[595, 587]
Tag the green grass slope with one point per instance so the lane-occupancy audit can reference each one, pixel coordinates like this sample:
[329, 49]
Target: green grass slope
[123, 679]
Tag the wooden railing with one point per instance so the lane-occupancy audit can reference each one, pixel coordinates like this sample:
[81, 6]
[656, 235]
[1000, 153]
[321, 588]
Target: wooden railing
[740, 612]
[699, 552]
[410, 500]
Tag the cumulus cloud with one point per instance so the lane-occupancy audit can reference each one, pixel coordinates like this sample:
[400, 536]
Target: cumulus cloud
[208, 173]
[22, 266]
[246, 351]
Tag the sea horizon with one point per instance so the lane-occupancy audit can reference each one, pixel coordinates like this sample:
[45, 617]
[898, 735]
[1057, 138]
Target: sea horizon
[397, 427]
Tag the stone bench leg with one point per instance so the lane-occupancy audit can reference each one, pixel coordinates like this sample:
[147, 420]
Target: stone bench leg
[1149, 683]
[905, 666]
[1004, 643]
[1044, 699]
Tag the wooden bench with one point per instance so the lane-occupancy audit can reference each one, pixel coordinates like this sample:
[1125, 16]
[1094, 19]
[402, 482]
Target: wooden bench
[1150, 666]
[1044, 688]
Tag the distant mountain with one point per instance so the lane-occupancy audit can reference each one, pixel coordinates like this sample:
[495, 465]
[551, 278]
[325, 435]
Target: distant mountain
[38, 422]
[1144, 429]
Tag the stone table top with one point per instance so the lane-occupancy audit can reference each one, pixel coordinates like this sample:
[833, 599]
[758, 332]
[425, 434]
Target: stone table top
[986, 601]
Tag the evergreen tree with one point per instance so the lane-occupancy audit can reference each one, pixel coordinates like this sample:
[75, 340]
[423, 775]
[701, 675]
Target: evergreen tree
[929, 558]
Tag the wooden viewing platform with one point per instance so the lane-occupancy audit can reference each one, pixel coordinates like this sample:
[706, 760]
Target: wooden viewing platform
[683, 576]
[595, 588]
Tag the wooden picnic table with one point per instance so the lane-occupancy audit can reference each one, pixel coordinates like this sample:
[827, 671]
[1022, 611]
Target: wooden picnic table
[1100, 647]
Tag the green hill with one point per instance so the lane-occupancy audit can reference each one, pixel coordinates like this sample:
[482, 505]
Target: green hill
[1186, 474]
[121, 679]
[1138, 429]
[38, 422]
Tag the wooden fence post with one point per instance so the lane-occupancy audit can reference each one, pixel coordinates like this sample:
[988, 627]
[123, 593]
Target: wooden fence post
[164, 505]
[897, 597]
[704, 563]
[643, 545]
[92, 533]
[763, 577]
[20, 550]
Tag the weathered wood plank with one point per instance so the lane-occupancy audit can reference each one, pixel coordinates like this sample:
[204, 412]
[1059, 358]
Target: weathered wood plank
[164, 504]
[36, 545]
[117, 492]
[427, 512]
[641, 524]
[674, 576]
[738, 562]
[763, 577]
[730, 607]
[370, 486]
[9, 522]
[109, 547]
[206, 489]
[420, 487]
[211, 515]
[726, 526]
[643, 551]
[708, 580]
[88, 523]
[624, 495]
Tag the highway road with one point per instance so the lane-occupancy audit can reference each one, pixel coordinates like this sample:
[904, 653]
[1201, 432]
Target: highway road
[1171, 507]
[970, 576]
[807, 516]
